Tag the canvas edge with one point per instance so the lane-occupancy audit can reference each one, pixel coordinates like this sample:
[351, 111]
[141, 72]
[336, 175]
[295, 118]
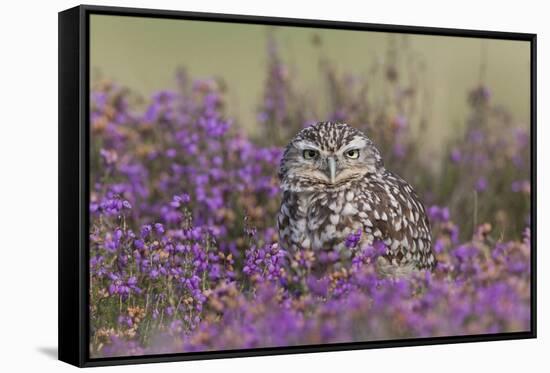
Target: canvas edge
[69, 176]
[307, 22]
[533, 127]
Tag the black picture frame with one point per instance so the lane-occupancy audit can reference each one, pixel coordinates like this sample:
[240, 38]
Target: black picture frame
[74, 83]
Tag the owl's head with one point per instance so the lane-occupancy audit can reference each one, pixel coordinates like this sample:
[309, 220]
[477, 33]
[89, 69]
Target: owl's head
[328, 154]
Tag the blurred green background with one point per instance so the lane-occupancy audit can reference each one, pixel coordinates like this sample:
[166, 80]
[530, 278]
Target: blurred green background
[143, 54]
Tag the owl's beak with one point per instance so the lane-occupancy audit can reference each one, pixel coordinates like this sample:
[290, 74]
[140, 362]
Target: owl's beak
[332, 168]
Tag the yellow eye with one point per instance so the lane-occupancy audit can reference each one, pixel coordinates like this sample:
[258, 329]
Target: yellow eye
[353, 153]
[310, 154]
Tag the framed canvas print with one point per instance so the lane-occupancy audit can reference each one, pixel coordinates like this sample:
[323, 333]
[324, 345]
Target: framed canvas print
[238, 185]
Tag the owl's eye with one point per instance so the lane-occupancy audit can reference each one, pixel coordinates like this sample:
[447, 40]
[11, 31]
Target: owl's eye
[310, 154]
[352, 154]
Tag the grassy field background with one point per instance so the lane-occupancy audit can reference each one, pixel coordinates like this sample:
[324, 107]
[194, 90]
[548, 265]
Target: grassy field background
[143, 54]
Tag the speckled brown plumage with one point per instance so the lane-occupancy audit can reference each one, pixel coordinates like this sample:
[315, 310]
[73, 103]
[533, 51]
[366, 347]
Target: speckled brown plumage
[334, 183]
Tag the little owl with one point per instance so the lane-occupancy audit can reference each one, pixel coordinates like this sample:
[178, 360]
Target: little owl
[334, 184]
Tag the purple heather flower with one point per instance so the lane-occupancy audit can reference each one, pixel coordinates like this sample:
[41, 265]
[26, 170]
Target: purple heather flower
[145, 230]
[139, 244]
[262, 117]
[481, 184]
[438, 214]
[171, 153]
[522, 137]
[380, 248]
[521, 186]
[154, 274]
[399, 150]
[110, 156]
[476, 136]
[456, 155]
[318, 287]
[353, 239]
[465, 252]
[479, 96]
[178, 200]
[400, 122]
[159, 228]
[99, 99]
[438, 246]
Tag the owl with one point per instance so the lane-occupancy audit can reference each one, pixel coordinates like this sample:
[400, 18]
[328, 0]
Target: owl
[334, 183]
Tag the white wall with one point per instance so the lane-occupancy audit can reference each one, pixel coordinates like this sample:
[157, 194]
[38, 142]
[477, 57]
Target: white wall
[28, 184]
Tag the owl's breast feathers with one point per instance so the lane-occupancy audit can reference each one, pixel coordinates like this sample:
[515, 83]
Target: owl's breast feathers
[382, 206]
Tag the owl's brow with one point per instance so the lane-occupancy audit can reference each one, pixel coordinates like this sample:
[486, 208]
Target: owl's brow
[302, 145]
[356, 143]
